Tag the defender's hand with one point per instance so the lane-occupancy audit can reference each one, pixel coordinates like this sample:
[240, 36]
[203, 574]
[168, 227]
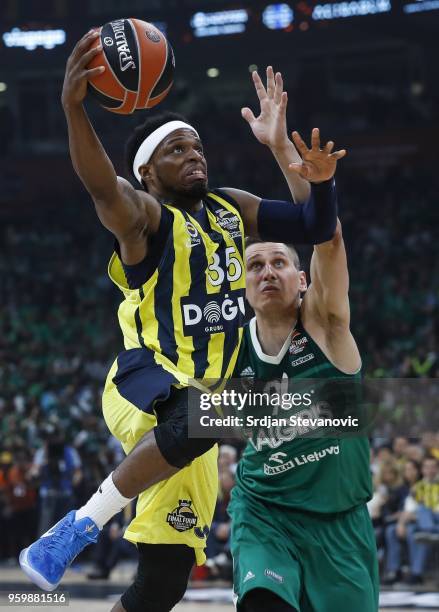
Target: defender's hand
[270, 126]
[318, 164]
[75, 79]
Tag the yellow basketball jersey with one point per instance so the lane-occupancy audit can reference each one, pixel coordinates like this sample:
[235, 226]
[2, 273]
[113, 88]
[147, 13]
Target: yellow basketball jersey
[190, 312]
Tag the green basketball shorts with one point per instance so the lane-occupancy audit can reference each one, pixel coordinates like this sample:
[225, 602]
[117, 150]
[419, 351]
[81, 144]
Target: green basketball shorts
[316, 563]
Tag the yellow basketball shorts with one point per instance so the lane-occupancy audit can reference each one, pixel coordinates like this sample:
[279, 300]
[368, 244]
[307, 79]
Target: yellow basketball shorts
[174, 511]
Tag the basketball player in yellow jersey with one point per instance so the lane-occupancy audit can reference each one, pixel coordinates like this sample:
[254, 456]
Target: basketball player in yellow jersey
[179, 264]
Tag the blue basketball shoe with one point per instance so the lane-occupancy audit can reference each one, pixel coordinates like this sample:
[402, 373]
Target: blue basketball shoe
[46, 560]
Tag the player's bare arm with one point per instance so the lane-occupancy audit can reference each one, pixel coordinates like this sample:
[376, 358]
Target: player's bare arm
[270, 129]
[129, 214]
[315, 166]
[325, 308]
[326, 305]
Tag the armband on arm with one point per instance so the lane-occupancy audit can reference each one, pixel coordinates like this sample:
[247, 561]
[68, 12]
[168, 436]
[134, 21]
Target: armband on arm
[311, 223]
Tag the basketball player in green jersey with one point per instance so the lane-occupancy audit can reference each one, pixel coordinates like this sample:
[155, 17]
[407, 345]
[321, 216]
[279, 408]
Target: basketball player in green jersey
[179, 257]
[301, 539]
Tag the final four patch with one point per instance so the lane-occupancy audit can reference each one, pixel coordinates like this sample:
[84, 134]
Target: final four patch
[182, 518]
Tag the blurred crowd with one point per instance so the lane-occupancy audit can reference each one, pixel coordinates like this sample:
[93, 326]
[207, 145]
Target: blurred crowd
[405, 507]
[59, 335]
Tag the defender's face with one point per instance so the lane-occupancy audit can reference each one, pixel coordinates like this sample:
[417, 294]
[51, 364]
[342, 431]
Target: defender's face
[273, 281]
[178, 166]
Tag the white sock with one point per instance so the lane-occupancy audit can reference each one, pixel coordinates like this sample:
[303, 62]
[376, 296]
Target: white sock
[104, 504]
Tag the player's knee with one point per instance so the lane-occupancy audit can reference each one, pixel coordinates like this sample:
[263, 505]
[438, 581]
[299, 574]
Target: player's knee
[172, 432]
[140, 597]
[175, 445]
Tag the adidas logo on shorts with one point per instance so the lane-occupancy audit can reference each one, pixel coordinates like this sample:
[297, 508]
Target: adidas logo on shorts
[249, 576]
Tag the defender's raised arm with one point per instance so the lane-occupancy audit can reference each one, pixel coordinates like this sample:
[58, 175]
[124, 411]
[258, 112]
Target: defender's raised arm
[314, 220]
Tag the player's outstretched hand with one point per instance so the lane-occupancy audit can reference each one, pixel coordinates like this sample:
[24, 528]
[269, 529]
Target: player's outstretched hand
[318, 164]
[270, 126]
[75, 79]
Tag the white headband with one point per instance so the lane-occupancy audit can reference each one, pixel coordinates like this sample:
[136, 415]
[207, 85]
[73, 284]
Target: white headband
[150, 144]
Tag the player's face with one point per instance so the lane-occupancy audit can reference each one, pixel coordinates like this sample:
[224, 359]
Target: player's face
[273, 281]
[179, 167]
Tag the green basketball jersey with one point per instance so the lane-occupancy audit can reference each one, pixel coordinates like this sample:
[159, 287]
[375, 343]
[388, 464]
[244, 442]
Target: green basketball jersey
[319, 474]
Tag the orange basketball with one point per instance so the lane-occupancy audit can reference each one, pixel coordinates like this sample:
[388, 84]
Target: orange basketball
[139, 66]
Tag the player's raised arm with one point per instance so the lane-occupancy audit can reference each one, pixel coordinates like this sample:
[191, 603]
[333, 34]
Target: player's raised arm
[314, 221]
[122, 209]
[328, 292]
[270, 129]
[326, 311]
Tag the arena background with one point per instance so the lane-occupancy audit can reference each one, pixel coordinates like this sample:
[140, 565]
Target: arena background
[365, 73]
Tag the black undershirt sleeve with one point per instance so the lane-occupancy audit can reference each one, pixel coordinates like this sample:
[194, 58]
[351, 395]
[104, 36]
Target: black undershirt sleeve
[311, 223]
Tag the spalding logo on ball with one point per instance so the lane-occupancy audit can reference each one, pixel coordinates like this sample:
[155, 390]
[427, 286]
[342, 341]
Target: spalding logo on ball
[139, 66]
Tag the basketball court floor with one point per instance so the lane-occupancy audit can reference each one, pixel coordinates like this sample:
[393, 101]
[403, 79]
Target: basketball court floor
[91, 605]
[100, 596]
